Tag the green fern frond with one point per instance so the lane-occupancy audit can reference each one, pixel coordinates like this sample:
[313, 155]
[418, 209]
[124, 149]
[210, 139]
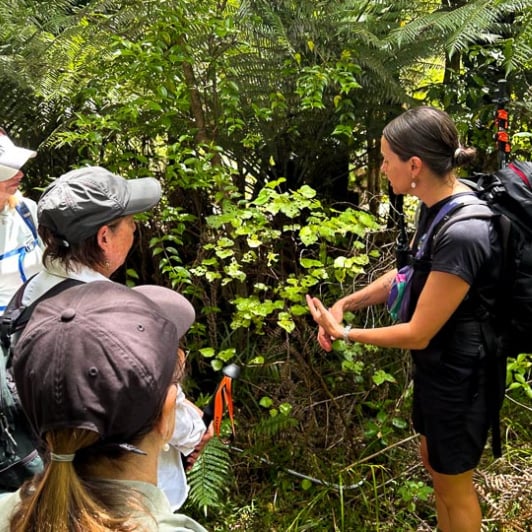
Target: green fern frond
[273, 425]
[522, 43]
[473, 22]
[210, 476]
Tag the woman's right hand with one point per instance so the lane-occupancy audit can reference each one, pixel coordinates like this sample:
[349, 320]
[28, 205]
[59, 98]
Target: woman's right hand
[324, 339]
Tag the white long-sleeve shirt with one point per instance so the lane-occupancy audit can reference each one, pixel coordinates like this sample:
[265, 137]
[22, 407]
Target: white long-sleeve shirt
[189, 429]
[15, 235]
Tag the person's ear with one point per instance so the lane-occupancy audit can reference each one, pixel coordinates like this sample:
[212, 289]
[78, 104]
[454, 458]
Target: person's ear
[102, 236]
[415, 165]
[166, 422]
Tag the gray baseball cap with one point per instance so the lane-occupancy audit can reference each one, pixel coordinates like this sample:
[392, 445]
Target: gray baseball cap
[78, 203]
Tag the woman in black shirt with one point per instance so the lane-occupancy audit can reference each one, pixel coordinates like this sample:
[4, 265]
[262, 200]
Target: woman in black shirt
[420, 150]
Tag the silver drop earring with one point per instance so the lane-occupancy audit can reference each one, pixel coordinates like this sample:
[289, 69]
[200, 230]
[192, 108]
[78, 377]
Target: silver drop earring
[413, 184]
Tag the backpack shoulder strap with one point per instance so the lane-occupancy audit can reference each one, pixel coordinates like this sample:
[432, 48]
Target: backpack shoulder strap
[56, 289]
[23, 210]
[11, 313]
[425, 240]
[17, 315]
[444, 217]
[466, 211]
[482, 211]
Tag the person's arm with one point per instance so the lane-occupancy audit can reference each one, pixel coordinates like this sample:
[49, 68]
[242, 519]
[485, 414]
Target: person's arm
[372, 294]
[207, 435]
[440, 297]
[189, 427]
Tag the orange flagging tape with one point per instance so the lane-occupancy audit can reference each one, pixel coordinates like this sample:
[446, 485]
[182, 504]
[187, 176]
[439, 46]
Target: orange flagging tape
[223, 396]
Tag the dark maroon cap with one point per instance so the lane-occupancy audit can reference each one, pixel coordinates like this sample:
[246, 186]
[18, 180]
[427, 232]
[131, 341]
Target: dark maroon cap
[173, 305]
[98, 356]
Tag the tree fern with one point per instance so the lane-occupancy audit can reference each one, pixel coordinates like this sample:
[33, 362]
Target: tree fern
[473, 22]
[522, 47]
[210, 477]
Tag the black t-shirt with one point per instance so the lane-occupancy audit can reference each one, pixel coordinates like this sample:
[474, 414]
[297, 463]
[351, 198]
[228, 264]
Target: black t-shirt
[470, 249]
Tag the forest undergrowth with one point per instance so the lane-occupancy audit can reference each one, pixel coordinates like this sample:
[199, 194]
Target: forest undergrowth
[324, 441]
[344, 456]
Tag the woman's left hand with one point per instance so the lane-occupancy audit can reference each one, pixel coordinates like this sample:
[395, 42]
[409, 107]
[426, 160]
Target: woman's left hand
[324, 318]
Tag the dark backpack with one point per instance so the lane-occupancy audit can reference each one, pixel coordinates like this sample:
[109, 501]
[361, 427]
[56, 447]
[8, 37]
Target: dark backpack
[508, 192]
[19, 459]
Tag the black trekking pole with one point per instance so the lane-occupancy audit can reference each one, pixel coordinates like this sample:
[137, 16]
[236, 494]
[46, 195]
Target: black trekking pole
[397, 216]
[496, 373]
[501, 124]
[402, 249]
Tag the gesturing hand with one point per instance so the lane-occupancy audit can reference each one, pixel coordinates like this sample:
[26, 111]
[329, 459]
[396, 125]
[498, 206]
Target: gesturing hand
[329, 328]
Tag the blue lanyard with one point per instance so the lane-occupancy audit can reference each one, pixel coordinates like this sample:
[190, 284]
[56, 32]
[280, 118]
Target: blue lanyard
[23, 210]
